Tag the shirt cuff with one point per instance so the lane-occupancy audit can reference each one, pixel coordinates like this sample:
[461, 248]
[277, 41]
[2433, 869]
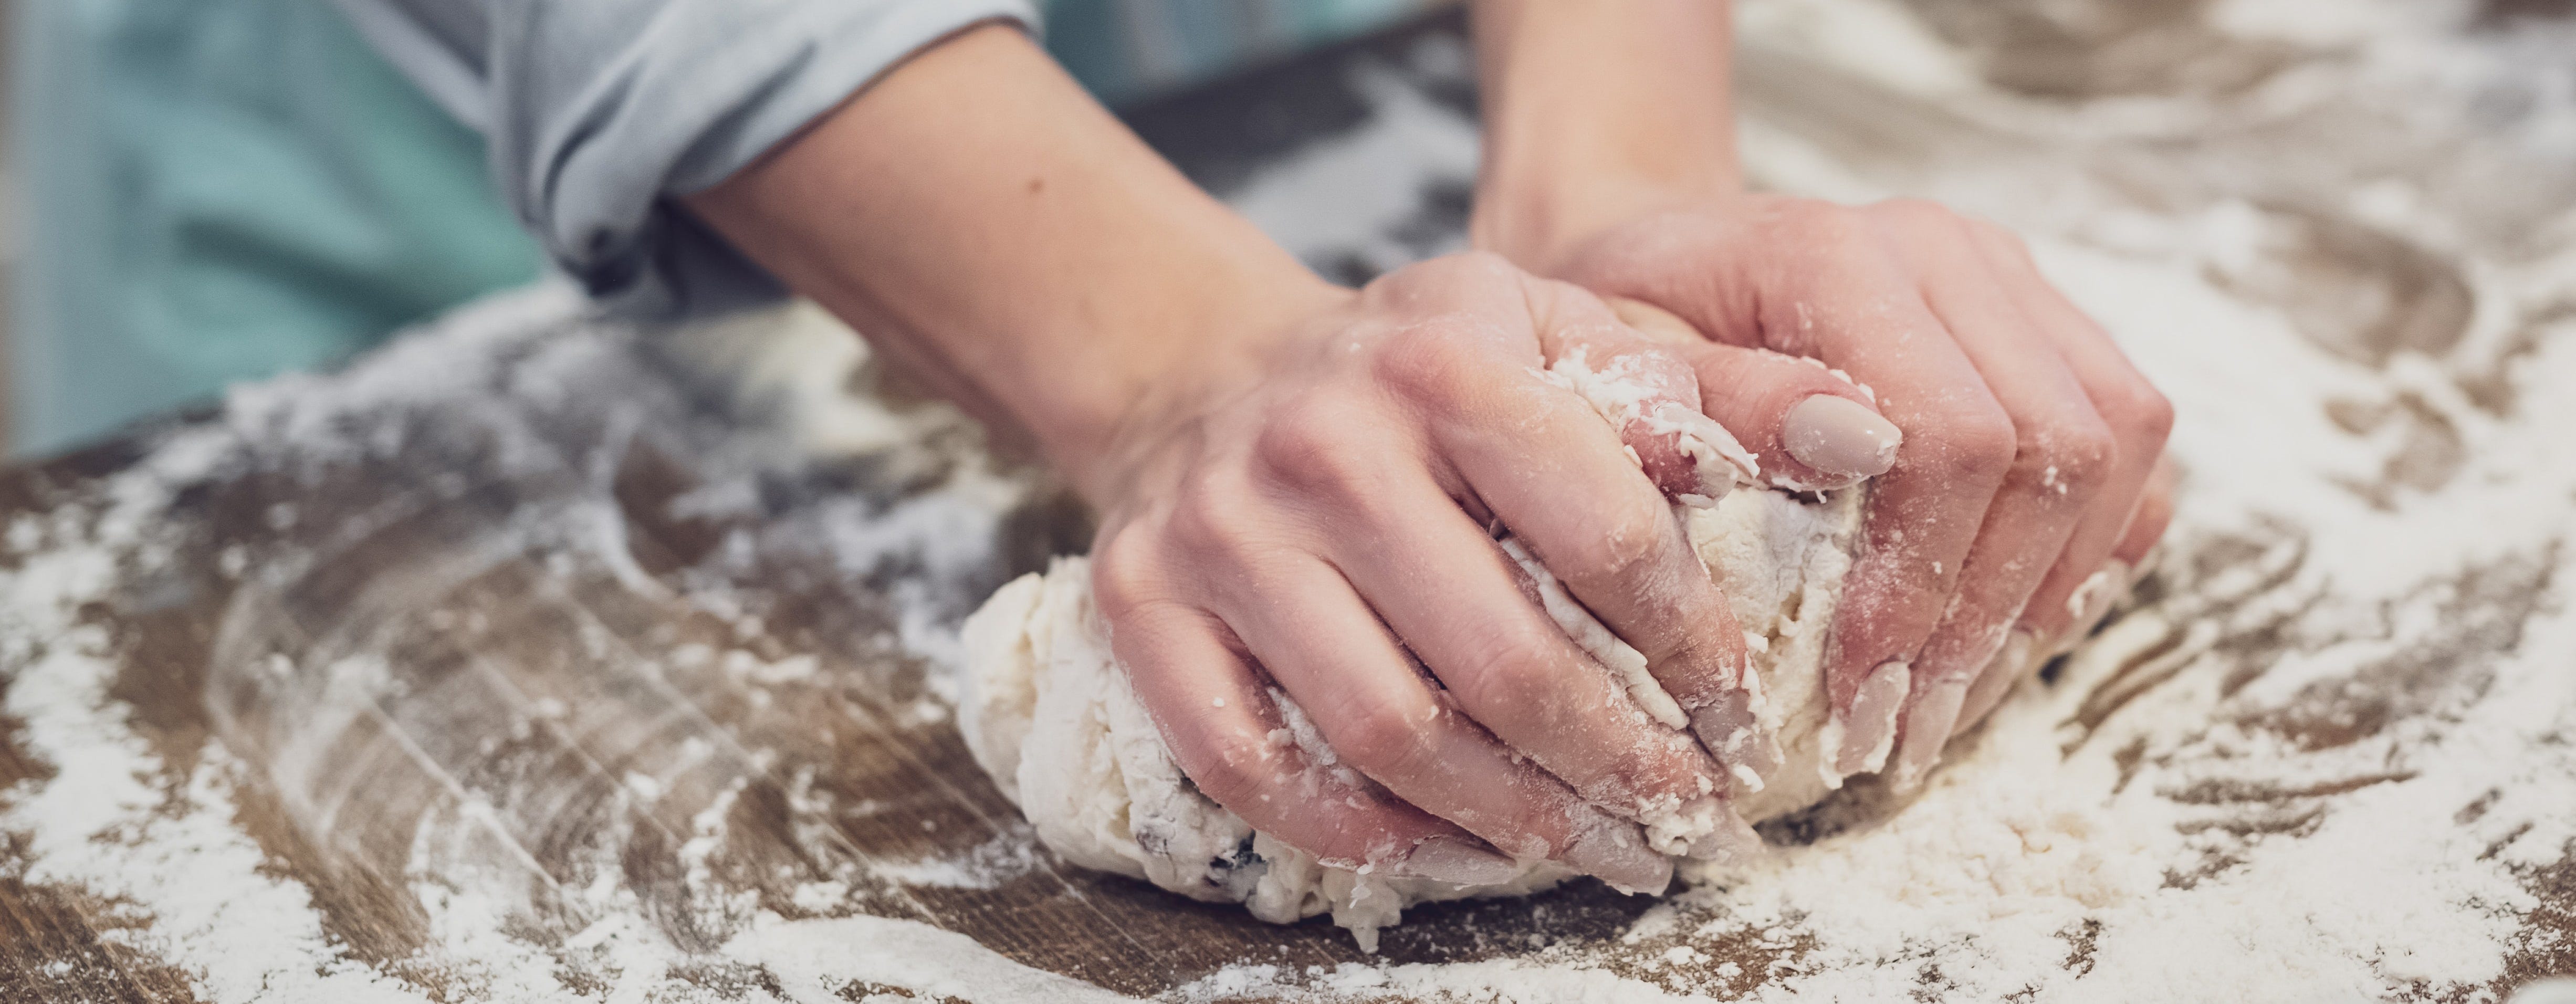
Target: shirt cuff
[700, 92]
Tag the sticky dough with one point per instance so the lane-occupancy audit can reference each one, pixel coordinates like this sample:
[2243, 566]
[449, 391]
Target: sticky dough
[1051, 717]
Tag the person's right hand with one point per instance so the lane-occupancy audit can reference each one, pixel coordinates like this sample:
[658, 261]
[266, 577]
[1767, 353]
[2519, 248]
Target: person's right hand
[2024, 492]
[1314, 510]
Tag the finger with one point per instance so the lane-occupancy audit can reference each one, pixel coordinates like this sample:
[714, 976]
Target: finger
[1544, 463]
[1379, 715]
[1819, 281]
[2154, 513]
[2092, 600]
[2062, 452]
[1650, 396]
[2138, 417]
[1541, 459]
[1440, 582]
[1649, 392]
[2023, 653]
[2019, 657]
[1216, 718]
[1812, 429]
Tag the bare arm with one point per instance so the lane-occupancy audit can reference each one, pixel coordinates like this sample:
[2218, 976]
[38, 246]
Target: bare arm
[1598, 112]
[982, 219]
[1296, 481]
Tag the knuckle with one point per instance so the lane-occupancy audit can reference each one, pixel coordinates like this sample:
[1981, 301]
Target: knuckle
[1712, 664]
[1505, 680]
[1627, 552]
[1125, 572]
[1977, 444]
[1233, 770]
[1999, 237]
[1482, 265]
[1321, 447]
[2070, 457]
[2140, 412]
[1818, 223]
[1213, 517]
[1465, 270]
[1433, 365]
[1918, 213]
[1376, 735]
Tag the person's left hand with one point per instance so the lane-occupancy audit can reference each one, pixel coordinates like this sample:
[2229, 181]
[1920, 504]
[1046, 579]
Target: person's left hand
[2021, 496]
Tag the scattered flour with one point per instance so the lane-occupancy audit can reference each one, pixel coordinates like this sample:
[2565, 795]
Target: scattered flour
[2325, 761]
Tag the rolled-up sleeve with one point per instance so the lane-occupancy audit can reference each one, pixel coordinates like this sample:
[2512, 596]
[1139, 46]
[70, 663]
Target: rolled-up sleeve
[597, 111]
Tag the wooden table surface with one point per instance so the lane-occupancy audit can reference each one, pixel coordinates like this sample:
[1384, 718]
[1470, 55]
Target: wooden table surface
[570, 678]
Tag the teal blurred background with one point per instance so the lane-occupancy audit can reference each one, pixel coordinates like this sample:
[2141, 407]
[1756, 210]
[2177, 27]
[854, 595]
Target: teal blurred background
[206, 191]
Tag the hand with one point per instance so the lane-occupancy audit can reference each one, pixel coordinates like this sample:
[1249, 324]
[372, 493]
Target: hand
[2029, 438]
[1293, 476]
[1309, 510]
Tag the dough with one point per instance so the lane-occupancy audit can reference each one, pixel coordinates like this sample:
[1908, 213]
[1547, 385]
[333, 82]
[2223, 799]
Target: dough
[1052, 719]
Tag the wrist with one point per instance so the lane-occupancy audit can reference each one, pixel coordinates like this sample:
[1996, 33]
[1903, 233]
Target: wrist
[1595, 114]
[1210, 332]
[1540, 218]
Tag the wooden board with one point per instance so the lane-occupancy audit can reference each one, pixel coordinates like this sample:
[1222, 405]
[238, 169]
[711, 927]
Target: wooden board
[572, 681]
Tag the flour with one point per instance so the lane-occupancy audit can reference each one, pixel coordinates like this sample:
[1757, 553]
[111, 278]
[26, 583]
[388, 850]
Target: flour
[2324, 757]
[1596, 640]
[117, 822]
[815, 964]
[174, 857]
[1052, 718]
[1620, 393]
[2072, 853]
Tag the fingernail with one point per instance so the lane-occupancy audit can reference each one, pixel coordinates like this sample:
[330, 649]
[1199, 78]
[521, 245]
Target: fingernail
[1734, 842]
[1927, 729]
[1614, 853]
[1458, 861]
[1732, 730]
[1869, 729]
[1997, 679]
[1840, 436]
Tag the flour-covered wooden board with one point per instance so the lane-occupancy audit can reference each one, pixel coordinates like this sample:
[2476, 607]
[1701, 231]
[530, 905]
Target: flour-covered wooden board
[535, 659]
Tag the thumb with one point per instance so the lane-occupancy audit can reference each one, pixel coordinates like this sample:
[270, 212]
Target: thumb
[1812, 428]
[1646, 387]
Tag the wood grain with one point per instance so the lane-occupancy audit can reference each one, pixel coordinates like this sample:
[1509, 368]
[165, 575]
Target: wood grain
[562, 668]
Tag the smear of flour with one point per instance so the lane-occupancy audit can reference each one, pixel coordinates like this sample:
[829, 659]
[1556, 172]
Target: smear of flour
[115, 822]
[111, 821]
[987, 866]
[822, 962]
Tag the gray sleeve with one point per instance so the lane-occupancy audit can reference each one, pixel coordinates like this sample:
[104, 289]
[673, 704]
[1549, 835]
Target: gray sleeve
[597, 110]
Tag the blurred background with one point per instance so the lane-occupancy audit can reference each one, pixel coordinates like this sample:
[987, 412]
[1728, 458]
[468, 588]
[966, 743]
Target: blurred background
[240, 188]
[9, 240]
[197, 233]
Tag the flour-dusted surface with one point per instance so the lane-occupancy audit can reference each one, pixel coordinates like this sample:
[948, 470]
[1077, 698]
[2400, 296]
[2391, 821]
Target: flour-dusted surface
[518, 664]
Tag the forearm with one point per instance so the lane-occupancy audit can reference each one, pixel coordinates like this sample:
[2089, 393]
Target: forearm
[1596, 113]
[987, 224]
